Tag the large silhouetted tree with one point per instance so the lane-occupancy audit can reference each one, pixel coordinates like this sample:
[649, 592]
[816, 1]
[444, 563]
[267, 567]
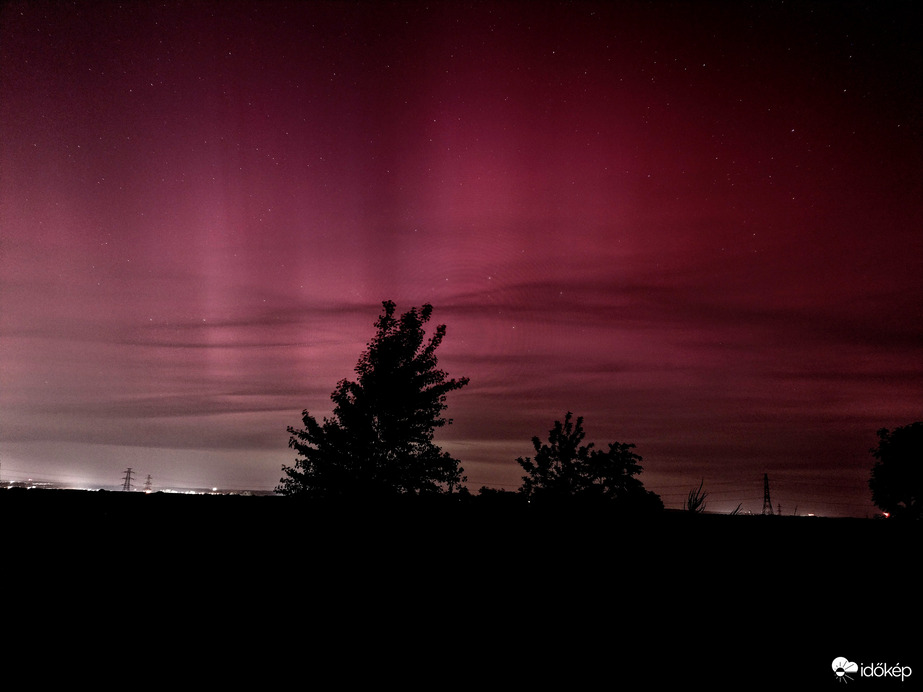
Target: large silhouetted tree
[896, 480]
[379, 441]
[565, 469]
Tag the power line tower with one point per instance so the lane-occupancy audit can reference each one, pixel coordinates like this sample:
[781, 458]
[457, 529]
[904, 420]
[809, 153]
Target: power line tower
[148, 484]
[126, 481]
[767, 503]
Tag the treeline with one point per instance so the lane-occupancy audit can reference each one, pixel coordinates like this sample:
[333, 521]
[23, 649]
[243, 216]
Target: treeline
[379, 443]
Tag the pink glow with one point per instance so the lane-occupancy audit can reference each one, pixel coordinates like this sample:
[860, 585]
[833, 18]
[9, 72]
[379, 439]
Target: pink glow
[700, 230]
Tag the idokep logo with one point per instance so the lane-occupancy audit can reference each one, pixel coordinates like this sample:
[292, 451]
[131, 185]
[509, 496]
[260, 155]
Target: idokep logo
[846, 670]
[843, 668]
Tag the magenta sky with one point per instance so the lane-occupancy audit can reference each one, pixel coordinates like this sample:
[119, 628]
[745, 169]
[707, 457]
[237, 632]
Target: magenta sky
[698, 225]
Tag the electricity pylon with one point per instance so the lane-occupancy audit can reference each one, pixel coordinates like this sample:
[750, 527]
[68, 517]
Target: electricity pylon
[767, 503]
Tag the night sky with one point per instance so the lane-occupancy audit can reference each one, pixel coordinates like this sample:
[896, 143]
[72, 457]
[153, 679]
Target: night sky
[697, 225]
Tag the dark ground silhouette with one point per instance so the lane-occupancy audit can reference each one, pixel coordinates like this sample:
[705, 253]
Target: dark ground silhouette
[565, 593]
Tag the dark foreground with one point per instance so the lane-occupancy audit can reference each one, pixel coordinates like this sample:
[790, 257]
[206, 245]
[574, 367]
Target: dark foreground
[567, 597]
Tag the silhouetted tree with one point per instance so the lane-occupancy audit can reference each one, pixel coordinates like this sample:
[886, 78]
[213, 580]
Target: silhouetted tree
[379, 441]
[497, 497]
[565, 469]
[896, 480]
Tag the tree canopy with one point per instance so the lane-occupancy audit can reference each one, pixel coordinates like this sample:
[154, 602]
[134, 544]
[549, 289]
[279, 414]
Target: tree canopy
[565, 469]
[896, 479]
[379, 441]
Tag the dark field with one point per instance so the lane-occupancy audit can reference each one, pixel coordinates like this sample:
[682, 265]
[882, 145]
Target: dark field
[570, 595]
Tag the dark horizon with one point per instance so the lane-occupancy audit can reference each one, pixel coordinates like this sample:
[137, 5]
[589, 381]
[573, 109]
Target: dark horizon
[697, 225]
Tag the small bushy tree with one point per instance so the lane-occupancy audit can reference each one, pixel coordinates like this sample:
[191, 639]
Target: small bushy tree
[566, 469]
[896, 480]
[379, 441]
